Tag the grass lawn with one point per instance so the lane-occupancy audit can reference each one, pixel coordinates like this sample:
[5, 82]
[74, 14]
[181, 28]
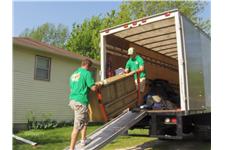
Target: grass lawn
[58, 139]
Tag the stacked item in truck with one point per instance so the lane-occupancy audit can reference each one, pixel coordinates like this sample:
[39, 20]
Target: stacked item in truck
[161, 96]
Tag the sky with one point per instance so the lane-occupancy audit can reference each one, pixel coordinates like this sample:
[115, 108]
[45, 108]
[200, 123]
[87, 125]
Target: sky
[33, 14]
[30, 14]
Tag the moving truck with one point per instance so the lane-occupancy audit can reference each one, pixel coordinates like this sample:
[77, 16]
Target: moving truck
[176, 50]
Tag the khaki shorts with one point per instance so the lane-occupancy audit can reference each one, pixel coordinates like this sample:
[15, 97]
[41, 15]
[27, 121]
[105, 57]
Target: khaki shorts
[142, 84]
[80, 114]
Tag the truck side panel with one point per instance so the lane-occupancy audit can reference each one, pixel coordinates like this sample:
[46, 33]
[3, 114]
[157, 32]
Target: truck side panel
[194, 63]
[206, 53]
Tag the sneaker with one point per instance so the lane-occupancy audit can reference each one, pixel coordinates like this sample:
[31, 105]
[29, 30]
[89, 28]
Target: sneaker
[82, 142]
[85, 142]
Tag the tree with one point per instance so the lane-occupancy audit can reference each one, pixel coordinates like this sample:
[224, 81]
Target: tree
[85, 38]
[139, 9]
[48, 33]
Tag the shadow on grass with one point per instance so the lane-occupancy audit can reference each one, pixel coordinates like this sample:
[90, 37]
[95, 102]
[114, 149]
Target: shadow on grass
[173, 145]
[138, 135]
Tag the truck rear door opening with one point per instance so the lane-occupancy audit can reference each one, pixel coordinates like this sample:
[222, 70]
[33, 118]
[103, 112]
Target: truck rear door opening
[155, 40]
[174, 50]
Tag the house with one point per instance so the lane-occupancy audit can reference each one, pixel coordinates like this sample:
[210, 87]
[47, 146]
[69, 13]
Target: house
[41, 80]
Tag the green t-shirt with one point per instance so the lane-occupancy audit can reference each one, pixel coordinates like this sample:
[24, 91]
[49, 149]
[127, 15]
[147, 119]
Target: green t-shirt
[80, 82]
[135, 64]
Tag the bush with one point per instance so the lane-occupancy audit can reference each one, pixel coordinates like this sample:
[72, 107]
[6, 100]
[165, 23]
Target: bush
[45, 123]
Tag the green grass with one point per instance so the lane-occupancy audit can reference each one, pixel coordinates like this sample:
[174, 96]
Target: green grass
[136, 137]
[53, 139]
[58, 139]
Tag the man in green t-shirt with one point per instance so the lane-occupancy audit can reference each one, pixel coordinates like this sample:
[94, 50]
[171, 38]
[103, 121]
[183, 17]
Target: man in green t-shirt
[136, 64]
[81, 81]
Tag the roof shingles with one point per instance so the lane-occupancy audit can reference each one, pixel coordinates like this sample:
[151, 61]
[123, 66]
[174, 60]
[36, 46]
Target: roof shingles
[37, 45]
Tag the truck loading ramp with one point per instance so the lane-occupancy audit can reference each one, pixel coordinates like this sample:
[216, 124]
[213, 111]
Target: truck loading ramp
[112, 129]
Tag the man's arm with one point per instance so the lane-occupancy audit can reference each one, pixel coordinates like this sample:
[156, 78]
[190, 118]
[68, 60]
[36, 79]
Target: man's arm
[127, 67]
[91, 83]
[141, 65]
[96, 87]
[126, 70]
[141, 68]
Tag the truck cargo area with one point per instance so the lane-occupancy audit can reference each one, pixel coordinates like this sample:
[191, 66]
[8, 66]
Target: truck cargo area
[175, 53]
[155, 42]
[173, 49]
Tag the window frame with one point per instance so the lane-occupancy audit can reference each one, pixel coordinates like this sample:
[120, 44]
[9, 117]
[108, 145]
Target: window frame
[36, 67]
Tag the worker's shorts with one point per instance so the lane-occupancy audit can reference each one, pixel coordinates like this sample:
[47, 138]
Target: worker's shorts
[80, 114]
[142, 84]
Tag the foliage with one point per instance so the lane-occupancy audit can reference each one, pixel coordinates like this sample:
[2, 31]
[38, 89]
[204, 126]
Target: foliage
[85, 37]
[191, 9]
[49, 33]
[45, 122]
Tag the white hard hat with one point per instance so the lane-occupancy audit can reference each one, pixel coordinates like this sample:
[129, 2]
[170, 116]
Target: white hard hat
[131, 51]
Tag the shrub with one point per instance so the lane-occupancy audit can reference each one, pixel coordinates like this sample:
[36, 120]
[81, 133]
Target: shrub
[45, 123]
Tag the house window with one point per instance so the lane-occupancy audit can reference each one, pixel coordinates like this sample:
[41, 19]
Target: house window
[42, 68]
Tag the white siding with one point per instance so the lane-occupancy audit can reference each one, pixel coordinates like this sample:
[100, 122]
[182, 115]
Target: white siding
[41, 97]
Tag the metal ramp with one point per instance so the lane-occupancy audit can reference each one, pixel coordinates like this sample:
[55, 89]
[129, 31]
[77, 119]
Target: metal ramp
[112, 129]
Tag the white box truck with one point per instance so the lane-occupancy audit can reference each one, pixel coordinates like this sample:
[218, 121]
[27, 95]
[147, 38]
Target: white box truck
[175, 50]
